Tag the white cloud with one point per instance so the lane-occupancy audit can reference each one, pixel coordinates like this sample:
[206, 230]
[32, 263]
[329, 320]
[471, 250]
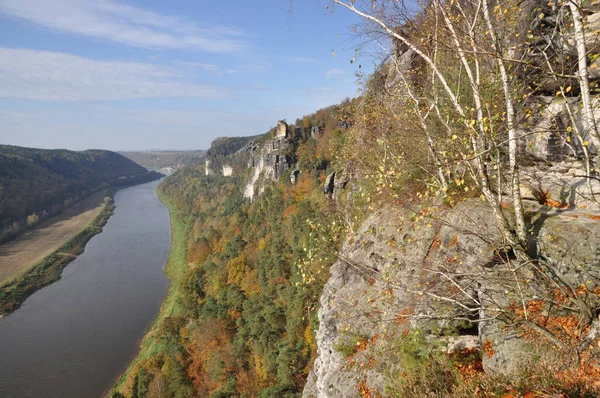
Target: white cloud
[335, 73]
[44, 75]
[112, 21]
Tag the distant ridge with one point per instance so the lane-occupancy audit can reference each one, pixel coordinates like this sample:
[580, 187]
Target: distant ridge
[165, 159]
[42, 182]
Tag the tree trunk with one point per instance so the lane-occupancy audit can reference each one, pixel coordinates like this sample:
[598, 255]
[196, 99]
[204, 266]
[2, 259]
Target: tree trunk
[589, 122]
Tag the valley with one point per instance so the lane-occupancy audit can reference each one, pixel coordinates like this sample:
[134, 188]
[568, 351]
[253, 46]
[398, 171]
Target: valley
[391, 199]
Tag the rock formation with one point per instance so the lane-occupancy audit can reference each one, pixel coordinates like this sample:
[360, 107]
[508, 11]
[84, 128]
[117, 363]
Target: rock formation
[227, 171]
[282, 128]
[389, 269]
[269, 161]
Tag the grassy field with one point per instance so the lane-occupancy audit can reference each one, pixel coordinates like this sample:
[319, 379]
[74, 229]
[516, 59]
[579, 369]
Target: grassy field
[14, 291]
[174, 270]
[19, 255]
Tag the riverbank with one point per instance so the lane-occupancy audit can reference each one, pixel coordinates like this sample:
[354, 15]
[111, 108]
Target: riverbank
[14, 291]
[19, 255]
[174, 271]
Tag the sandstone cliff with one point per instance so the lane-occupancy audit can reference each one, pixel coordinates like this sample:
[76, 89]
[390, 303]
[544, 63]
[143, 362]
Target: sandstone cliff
[391, 277]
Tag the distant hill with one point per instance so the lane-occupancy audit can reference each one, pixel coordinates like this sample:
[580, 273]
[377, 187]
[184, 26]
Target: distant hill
[161, 160]
[44, 182]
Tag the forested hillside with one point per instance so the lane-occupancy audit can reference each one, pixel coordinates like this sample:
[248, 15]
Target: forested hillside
[245, 318]
[36, 183]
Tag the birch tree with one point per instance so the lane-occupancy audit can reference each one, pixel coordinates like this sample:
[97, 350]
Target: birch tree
[471, 36]
[588, 120]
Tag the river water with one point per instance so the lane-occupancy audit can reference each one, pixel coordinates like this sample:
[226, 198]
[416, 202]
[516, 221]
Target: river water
[76, 336]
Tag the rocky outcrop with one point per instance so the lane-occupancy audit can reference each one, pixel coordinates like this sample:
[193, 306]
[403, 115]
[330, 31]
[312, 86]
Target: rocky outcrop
[250, 148]
[388, 276]
[335, 183]
[329, 184]
[227, 171]
[268, 162]
[561, 185]
[282, 129]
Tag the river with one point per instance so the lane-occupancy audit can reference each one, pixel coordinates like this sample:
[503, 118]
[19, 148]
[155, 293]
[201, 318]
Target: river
[76, 336]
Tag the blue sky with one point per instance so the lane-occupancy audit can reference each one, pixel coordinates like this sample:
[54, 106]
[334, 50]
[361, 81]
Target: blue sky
[135, 75]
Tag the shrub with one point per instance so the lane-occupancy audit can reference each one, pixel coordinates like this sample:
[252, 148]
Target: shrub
[349, 344]
[33, 219]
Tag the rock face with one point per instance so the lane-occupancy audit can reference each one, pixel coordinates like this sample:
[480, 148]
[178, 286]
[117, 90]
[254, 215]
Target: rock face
[561, 185]
[335, 183]
[556, 172]
[387, 277]
[345, 297]
[552, 138]
[268, 162]
[329, 185]
[227, 171]
[207, 169]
